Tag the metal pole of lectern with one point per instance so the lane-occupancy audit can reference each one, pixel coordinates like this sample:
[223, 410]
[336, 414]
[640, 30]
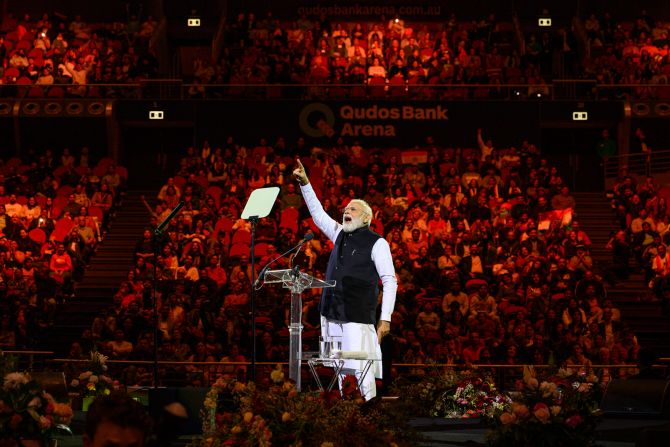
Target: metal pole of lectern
[258, 206]
[296, 282]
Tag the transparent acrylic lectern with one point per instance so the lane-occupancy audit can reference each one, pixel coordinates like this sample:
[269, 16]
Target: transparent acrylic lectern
[296, 282]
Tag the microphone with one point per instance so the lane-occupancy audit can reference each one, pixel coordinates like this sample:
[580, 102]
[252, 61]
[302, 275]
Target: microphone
[167, 220]
[294, 268]
[308, 237]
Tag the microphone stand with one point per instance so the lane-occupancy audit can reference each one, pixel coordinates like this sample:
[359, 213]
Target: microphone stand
[254, 221]
[295, 269]
[158, 232]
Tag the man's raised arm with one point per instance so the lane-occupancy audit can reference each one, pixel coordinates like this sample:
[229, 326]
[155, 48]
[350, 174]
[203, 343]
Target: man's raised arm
[326, 224]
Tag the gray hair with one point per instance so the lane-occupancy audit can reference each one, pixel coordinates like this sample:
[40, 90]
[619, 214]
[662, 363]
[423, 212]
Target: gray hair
[366, 208]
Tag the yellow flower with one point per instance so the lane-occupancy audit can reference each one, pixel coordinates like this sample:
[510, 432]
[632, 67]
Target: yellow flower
[248, 416]
[239, 387]
[90, 386]
[532, 383]
[286, 416]
[277, 376]
[236, 430]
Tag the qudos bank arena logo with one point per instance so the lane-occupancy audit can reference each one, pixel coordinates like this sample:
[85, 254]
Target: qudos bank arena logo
[317, 120]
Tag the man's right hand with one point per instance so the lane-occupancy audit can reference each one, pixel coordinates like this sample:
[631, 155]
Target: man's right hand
[300, 174]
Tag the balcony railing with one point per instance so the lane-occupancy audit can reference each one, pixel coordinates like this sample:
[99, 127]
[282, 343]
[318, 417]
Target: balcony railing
[654, 163]
[177, 89]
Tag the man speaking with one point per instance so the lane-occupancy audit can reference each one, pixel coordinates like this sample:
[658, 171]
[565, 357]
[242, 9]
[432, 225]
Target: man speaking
[360, 258]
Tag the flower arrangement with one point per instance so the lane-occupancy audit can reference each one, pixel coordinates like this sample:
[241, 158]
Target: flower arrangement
[451, 394]
[473, 397]
[557, 411]
[247, 415]
[29, 412]
[95, 381]
[422, 394]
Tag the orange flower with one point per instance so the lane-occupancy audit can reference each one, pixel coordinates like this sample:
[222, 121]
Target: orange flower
[63, 413]
[507, 418]
[520, 410]
[542, 413]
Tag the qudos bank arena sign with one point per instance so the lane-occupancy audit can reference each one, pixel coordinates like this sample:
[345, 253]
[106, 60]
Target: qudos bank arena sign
[372, 120]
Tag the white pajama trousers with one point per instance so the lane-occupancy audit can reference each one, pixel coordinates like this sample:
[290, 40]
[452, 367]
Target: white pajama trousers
[361, 338]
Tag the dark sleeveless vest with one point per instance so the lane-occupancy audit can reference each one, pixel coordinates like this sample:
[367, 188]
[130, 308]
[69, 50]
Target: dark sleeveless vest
[354, 297]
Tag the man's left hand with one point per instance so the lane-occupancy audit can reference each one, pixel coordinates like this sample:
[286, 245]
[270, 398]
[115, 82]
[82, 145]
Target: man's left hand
[383, 329]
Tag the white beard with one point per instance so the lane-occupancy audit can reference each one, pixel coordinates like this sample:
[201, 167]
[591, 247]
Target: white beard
[354, 224]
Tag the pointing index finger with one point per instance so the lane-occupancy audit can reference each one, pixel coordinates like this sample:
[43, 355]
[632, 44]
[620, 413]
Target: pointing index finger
[300, 164]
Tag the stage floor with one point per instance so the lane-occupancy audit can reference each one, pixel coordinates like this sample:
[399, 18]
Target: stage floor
[611, 432]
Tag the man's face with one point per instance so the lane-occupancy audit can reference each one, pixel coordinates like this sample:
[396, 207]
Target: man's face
[109, 434]
[354, 217]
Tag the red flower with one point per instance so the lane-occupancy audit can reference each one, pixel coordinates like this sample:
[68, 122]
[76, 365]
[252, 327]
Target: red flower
[330, 396]
[540, 406]
[573, 421]
[349, 385]
[14, 421]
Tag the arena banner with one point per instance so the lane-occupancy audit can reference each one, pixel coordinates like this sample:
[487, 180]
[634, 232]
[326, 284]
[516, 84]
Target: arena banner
[431, 10]
[381, 123]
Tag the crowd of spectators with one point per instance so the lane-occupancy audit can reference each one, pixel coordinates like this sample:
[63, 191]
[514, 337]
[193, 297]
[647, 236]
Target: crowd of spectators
[55, 49]
[491, 267]
[53, 212]
[629, 52]
[398, 52]
[643, 232]
[38, 52]
[394, 52]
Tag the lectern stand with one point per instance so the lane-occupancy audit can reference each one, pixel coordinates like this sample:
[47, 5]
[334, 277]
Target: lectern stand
[296, 282]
